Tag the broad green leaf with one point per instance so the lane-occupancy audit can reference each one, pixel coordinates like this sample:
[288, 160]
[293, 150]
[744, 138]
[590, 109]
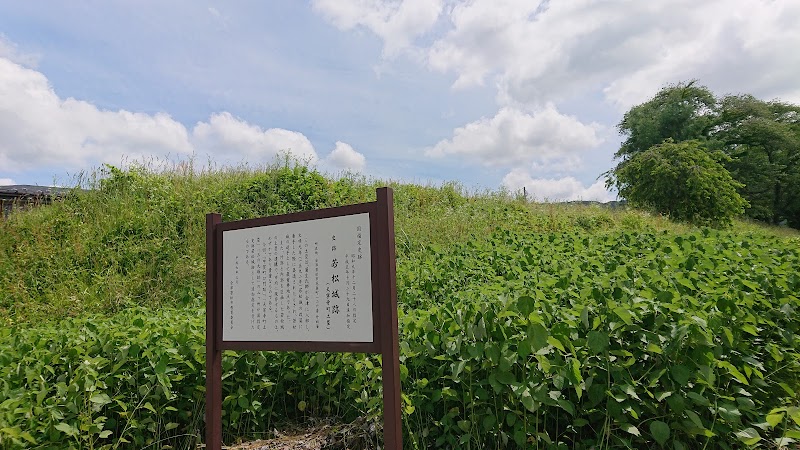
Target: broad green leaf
[749, 436]
[15, 433]
[729, 412]
[552, 340]
[698, 399]
[624, 315]
[734, 372]
[524, 348]
[519, 437]
[526, 305]
[793, 434]
[662, 395]
[597, 341]
[775, 419]
[787, 388]
[630, 391]
[493, 352]
[630, 429]
[794, 413]
[575, 372]
[750, 329]
[511, 419]
[585, 317]
[505, 377]
[539, 335]
[489, 422]
[728, 335]
[660, 431]
[695, 418]
[27, 436]
[653, 348]
[100, 398]
[457, 367]
[527, 401]
[681, 374]
[665, 296]
[567, 406]
[67, 429]
[161, 367]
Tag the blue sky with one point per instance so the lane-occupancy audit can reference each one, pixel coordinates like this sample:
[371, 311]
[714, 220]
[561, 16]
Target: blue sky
[487, 93]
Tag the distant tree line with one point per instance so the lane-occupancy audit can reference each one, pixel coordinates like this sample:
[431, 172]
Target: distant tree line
[705, 159]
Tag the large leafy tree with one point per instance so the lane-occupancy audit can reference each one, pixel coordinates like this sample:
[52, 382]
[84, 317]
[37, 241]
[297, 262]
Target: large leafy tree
[762, 140]
[679, 112]
[682, 180]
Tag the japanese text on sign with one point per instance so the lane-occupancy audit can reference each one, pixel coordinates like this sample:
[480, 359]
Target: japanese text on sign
[299, 281]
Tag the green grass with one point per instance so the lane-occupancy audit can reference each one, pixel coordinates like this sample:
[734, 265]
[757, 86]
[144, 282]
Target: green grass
[523, 325]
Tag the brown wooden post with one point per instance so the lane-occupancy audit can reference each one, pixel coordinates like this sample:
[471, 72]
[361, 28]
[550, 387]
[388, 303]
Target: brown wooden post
[390, 346]
[213, 439]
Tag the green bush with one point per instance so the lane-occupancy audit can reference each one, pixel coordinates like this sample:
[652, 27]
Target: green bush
[683, 180]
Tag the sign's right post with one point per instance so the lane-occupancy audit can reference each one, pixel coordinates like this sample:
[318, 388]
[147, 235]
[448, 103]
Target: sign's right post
[390, 346]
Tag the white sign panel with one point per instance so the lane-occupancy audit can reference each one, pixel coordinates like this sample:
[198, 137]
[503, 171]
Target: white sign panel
[299, 281]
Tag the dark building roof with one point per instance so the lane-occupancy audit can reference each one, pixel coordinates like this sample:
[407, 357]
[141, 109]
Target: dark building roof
[26, 190]
[25, 195]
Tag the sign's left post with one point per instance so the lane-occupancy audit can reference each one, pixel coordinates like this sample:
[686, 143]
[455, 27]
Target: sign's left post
[213, 439]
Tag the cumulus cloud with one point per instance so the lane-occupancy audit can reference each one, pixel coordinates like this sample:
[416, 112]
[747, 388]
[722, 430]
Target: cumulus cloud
[734, 53]
[39, 129]
[397, 23]
[514, 137]
[344, 157]
[555, 189]
[224, 135]
[6, 182]
[548, 51]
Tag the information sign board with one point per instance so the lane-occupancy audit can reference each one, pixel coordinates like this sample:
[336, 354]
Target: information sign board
[320, 280]
[298, 281]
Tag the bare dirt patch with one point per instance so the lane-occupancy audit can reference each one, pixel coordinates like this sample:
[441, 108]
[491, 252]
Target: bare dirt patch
[321, 434]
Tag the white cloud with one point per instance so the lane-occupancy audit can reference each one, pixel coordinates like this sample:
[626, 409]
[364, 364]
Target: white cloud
[344, 157]
[6, 182]
[396, 22]
[549, 51]
[38, 129]
[514, 137]
[11, 51]
[552, 189]
[225, 135]
[745, 49]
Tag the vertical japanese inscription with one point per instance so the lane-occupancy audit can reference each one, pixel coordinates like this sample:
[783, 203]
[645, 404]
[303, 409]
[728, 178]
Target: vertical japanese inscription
[299, 281]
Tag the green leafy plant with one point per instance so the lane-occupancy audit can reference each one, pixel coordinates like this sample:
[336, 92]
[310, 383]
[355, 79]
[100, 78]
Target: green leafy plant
[522, 325]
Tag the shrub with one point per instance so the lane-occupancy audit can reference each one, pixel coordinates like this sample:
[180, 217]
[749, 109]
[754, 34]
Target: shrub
[682, 180]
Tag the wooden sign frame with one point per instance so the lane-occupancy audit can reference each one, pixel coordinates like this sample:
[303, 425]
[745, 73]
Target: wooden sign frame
[384, 311]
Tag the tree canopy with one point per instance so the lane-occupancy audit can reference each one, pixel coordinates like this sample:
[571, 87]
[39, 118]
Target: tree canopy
[682, 180]
[761, 140]
[679, 112]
